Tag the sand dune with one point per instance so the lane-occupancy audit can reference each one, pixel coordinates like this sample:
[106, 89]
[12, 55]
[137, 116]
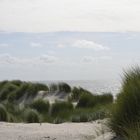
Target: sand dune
[67, 131]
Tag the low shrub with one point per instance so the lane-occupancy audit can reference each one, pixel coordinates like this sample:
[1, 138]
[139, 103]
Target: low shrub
[40, 105]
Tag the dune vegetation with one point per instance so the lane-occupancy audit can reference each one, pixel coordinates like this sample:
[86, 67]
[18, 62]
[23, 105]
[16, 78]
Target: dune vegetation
[125, 114]
[29, 102]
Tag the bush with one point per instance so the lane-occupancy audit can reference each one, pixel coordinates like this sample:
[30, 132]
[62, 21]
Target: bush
[31, 116]
[3, 113]
[59, 107]
[40, 105]
[126, 110]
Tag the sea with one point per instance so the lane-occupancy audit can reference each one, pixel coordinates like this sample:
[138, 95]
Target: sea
[94, 86]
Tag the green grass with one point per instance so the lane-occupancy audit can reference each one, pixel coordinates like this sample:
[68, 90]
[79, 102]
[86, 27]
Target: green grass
[12, 93]
[89, 100]
[77, 93]
[132, 133]
[16, 89]
[6, 90]
[126, 110]
[61, 108]
[64, 87]
[40, 105]
[3, 113]
[53, 87]
[31, 116]
[91, 114]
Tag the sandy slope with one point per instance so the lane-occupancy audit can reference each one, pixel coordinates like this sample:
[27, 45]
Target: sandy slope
[66, 131]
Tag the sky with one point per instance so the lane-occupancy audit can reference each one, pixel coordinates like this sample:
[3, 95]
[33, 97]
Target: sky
[68, 39]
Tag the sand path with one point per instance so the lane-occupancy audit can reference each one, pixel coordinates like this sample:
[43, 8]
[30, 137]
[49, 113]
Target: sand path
[67, 131]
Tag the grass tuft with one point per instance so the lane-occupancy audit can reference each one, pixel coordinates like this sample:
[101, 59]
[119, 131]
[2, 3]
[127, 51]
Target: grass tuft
[31, 116]
[40, 105]
[126, 110]
[3, 113]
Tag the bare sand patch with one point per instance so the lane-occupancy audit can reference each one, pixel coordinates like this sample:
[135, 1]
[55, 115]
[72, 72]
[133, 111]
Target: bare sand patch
[96, 130]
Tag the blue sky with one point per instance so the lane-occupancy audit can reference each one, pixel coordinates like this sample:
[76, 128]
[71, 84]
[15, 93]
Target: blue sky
[67, 55]
[68, 39]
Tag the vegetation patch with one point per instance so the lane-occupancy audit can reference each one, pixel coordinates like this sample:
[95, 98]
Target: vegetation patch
[40, 105]
[126, 110]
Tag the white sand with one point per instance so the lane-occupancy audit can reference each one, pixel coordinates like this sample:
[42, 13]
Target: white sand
[96, 130]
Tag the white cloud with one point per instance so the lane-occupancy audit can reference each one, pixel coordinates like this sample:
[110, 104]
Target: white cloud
[91, 59]
[48, 59]
[85, 44]
[88, 59]
[7, 59]
[61, 46]
[4, 45]
[35, 45]
[70, 15]
[44, 59]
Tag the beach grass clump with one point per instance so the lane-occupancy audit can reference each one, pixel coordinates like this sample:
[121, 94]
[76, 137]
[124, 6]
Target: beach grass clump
[21, 91]
[31, 116]
[6, 90]
[2, 83]
[15, 112]
[3, 113]
[126, 110]
[64, 87]
[53, 87]
[61, 108]
[90, 114]
[16, 82]
[132, 133]
[89, 100]
[58, 120]
[29, 89]
[105, 98]
[40, 105]
[77, 93]
[86, 101]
